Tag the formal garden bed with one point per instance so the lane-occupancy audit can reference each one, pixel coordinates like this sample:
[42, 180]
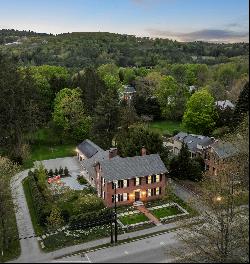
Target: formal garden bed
[167, 211]
[132, 219]
[52, 213]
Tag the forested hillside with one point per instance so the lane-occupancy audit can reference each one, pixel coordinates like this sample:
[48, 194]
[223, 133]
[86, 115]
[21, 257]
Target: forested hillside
[79, 50]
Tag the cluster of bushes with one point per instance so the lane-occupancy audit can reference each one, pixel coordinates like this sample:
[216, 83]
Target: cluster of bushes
[81, 180]
[62, 172]
[42, 207]
[89, 219]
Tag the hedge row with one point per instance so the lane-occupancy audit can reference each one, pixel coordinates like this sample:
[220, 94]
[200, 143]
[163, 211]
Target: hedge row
[90, 219]
[42, 209]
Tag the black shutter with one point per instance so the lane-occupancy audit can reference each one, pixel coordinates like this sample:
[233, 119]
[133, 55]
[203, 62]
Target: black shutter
[146, 179]
[140, 179]
[134, 181]
[160, 190]
[160, 177]
[127, 183]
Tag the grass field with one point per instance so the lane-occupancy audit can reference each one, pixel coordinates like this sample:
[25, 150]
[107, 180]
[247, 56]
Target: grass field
[47, 145]
[133, 219]
[166, 127]
[165, 211]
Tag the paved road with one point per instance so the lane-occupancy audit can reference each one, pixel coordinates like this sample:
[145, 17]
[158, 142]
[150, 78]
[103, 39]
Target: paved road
[188, 197]
[150, 250]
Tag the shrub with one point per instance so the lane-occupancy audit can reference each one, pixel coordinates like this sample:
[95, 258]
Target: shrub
[81, 180]
[50, 173]
[86, 203]
[42, 209]
[60, 171]
[175, 132]
[66, 171]
[89, 219]
[56, 172]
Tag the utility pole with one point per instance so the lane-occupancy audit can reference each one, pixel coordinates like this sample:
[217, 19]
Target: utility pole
[111, 231]
[115, 217]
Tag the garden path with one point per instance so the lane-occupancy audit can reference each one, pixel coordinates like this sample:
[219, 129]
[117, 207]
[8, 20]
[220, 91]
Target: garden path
[146, 212]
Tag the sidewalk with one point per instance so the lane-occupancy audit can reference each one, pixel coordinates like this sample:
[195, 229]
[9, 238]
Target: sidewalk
[164, 227]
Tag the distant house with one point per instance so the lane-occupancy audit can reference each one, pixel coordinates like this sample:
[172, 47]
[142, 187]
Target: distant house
[139, 178]
[196, 143]
[192, 88]
[224, 104]
[129, 92]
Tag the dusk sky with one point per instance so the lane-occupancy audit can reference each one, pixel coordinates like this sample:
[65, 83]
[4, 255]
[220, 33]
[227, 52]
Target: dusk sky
[183, 20]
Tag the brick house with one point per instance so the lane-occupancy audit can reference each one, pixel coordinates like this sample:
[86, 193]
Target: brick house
[139, 178]
[217, 155]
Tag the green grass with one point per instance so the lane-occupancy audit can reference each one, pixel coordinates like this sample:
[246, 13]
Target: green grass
[133, 219]
[165, 211]
[46, 144]
[14, 249]
[28, 195]
[166, 127]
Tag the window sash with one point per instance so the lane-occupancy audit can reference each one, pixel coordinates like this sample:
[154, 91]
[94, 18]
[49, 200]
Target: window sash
[157, 178]
[149, 179]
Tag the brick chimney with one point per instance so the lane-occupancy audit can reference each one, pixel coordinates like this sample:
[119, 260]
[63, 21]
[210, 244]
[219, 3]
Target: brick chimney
[112, 153]
[143, 151]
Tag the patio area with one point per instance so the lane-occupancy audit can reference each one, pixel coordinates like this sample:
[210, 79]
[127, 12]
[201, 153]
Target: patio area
[74, 169]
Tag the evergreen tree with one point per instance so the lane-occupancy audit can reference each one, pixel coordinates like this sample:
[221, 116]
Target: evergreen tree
[50, 173]
[242, 105]
[106, 119]
[66, 171]
[92, 87]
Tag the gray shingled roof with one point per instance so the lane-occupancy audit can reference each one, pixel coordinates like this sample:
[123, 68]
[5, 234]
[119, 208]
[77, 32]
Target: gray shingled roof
[224, 149]
[224, 104]
[129, 89]
[127, 168]
[193, 140]
[88, 148]
[88, 164]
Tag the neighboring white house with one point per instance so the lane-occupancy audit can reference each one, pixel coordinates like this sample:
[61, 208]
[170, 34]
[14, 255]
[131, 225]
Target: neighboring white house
[196, 143]
[224, 104]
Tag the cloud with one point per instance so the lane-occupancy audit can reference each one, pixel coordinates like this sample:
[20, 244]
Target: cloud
[211, 35]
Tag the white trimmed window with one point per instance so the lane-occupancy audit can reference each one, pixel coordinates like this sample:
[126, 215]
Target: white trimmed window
[103, 181]
[157, 192]
[125, 197]
[125, 183]
[103, 195]
[149, 179]
[157, 178]
[149, 192]
[137, 181]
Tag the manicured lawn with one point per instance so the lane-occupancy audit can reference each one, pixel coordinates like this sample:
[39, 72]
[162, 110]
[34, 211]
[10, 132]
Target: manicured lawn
[43, 152]
[133, 219]
[46, 145]
[165, 211]
[166, 127]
